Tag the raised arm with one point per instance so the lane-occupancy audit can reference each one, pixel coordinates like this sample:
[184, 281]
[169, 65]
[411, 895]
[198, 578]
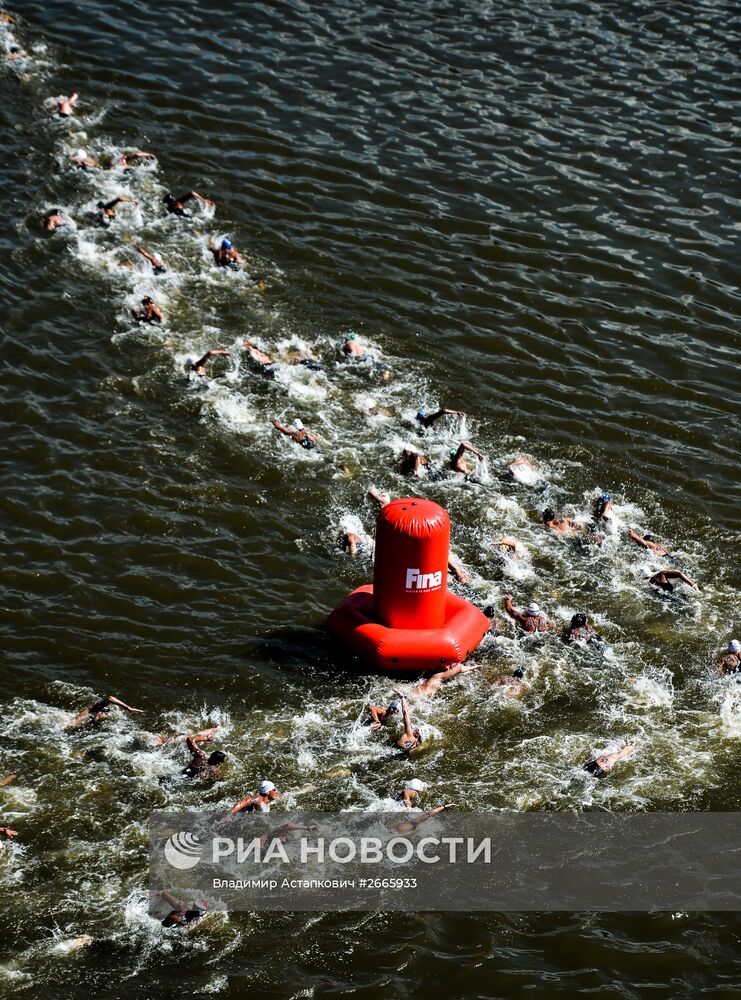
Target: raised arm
[113, 700]
[637, 538]
[285, 430]
[194, 194]
[511, 611]
[465, 446]
[381, 497]
[408, 731]
[442, 412]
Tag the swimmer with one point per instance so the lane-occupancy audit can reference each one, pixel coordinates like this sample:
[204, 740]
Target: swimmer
[456, 458]
[298, 433]
[149, 312]
[380, 496]
[508, 547]
[411, 791]
[226, 255]
[378, 716]
[352, 348]
[55, 220]
[531, 620]
[430, 686]
[7, 18]
[176, 206]
[267, 793]
[16, 54]
[428, 419]
[65, 105]
[127, 160]
[108, 209]
[457, 570]
[297, 357]
[157, 265]
[648, 542]
[600, 765]
[206, 769]
[7, 832]
[567, 526]
[181, 914]
[97, 713]
[82, 161]
[410, 825]
[351, 543]
[602, 507]
[198, 365]
[411, 738]
[581, 631]
[413, 463]
[662, 578]
[258, 356]
[731, 662]
[511, 684]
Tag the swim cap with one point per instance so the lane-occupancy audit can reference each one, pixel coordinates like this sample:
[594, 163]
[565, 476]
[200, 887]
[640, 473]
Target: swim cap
[265, 786]
[734, 646]
[605, 498]
[394, 705]
[453, 452]
[533, 609]
[79, 153]
[415, 785]
[548, 514]
[226, 244]
[191, 360]
[351, 336]
[297, 425]
[421, 414]
[649, 538]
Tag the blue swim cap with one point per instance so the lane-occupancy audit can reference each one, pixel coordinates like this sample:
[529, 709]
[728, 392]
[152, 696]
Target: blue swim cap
[226, 244]
[351, 336]
[605, 498]
[453, 452]
[421, 414]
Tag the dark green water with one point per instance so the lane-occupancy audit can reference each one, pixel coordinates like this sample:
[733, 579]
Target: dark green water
[527, 211]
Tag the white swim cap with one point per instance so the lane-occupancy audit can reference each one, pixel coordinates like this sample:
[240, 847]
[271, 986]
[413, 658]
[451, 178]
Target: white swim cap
[191, 359]
[79, 153]
[297, 425]
[533, 609]
[265, 786]
[415, 785]
[734, 646]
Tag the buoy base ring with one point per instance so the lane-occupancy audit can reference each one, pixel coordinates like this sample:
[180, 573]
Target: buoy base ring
[392, 649]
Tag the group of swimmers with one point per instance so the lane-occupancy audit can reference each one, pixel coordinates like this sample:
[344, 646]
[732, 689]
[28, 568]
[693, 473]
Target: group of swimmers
[207, 768]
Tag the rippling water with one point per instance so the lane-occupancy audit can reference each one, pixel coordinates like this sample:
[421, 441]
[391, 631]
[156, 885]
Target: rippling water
[527, 211]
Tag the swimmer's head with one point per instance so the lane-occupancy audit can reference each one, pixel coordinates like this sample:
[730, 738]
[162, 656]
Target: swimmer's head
[533, 609]
[649, 538]
[268, 788]
[350, 336]
[605, 498]
[101, 204]
[592, 766]
[53, 211]
[216, 758]
[297, 425]
[421, 415]
[415, 785]
[80, 154]
[548, 515]
[146, 301]
[578, 621]
[190, 361]
[226, 244]
[394, 707]
[489, 611]
[453, 452]
[646, 574]
[734, 646]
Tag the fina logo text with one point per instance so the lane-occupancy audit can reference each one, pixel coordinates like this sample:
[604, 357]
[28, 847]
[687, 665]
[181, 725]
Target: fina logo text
[423, 581]
[183, 850]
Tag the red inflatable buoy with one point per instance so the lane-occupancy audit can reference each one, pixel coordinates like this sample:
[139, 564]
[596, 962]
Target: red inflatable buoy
[410, 580]
[407, 620]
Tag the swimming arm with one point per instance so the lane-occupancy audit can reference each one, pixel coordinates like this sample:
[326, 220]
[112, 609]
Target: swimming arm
[408, 731]
[286, 430]
[194, 194]
[511, 611]
[637, 538]
[442, 412]
[112, 700]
